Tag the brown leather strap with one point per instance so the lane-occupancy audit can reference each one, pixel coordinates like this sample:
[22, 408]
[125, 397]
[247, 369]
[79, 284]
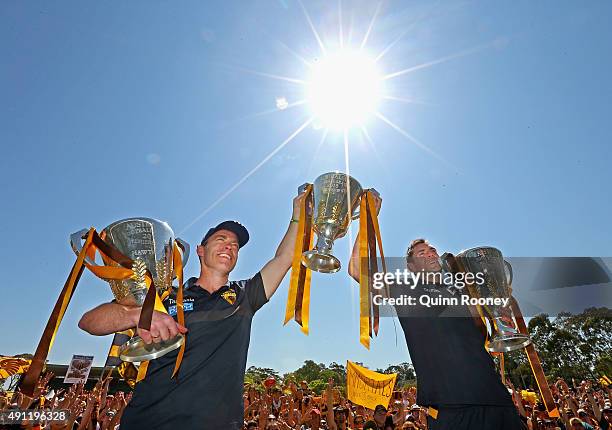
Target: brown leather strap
[534, 361]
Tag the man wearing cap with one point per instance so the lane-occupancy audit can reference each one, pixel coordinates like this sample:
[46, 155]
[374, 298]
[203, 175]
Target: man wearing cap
[207, 392]
[379, 417]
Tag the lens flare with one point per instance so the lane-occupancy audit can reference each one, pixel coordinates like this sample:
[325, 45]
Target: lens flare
[344, 89]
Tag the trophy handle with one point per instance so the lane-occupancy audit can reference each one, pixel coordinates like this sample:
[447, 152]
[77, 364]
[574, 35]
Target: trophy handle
[76, 242]
[448, 262]
[302, 188]
[186, 248]
[508, 270]
[355, 214]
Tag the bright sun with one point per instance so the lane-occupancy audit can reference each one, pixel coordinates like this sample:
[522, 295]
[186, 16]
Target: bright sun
[344, 89]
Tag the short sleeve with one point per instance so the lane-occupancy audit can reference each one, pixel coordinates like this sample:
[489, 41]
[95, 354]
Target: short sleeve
[254, 289]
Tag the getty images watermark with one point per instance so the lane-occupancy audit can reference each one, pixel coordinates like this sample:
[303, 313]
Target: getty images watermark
[436, 288]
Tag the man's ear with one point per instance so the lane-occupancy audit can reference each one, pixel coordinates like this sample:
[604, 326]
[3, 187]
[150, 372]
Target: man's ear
[200, 250]
[410, 264]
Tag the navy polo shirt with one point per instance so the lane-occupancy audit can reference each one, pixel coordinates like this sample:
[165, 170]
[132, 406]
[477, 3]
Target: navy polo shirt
[207, 394]
[447, 350]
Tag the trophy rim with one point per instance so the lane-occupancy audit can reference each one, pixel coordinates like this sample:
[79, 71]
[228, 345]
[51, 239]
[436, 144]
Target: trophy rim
[313, 253]
[147, 219]
[462, 253]
[335, 172]
[509, 343]
[157, 350]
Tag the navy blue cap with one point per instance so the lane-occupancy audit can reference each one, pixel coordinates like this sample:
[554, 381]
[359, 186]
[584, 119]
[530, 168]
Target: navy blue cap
[235, 227]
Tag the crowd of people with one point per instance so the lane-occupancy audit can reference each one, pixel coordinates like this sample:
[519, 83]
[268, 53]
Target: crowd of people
[293, 406]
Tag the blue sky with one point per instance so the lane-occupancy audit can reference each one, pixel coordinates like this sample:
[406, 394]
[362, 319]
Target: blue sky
[112, 110]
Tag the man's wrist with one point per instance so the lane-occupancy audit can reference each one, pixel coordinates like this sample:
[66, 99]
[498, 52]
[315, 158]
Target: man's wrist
[133, 315]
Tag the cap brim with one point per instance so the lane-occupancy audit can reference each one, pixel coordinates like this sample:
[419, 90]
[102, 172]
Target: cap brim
[235, 227]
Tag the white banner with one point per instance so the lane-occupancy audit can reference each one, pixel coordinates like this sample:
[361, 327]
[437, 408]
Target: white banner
[79, 368]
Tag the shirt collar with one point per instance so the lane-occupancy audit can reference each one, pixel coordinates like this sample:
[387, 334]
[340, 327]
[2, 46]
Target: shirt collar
[192, 286]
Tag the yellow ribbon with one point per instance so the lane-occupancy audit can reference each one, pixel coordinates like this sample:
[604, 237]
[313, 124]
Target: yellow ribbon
[142, 371]
[178, 269]
[368, 224]
[298, 300]
[364, 276]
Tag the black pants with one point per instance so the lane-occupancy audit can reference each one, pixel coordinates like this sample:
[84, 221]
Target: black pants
[476, 418]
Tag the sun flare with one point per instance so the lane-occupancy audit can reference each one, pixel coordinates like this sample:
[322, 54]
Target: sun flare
[344, 89]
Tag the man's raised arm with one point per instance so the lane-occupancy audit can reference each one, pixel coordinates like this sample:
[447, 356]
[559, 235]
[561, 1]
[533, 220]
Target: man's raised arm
[275, 270]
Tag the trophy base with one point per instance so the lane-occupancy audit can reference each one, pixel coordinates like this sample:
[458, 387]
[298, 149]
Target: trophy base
[320, 262]
[509, 342]
[135, 350]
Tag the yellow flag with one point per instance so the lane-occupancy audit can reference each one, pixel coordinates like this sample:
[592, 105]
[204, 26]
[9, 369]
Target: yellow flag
[13, 366]
[128, 372]
[530, 396]
[368, 388]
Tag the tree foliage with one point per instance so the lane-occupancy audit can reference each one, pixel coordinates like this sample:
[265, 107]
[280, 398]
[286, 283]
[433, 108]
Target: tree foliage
[405, 374]
[570, 346]
[256, 375]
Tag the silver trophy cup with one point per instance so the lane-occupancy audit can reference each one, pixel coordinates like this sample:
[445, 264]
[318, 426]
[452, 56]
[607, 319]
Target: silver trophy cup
[498, 279]
[336, 201]
[150, 244]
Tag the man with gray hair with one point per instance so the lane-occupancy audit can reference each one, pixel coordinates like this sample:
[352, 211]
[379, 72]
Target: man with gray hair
[456, 376]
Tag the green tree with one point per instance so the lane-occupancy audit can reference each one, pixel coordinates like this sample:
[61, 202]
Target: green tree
[309, 371]
[317, 386]
[340, 370]
[569, 346]
[256, 375]
[405, 374]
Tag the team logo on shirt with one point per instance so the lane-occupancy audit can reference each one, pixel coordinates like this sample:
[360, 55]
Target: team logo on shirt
[229, 296]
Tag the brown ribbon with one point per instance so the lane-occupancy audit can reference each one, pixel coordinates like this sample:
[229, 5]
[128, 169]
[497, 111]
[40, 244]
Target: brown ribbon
[28, 383]
[373, 269]
[534, 361]
[146, 313]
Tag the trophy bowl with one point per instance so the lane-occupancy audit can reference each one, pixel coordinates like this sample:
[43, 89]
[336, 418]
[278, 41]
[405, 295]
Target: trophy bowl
[498, 279]
[149, 243]
[336, 201]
